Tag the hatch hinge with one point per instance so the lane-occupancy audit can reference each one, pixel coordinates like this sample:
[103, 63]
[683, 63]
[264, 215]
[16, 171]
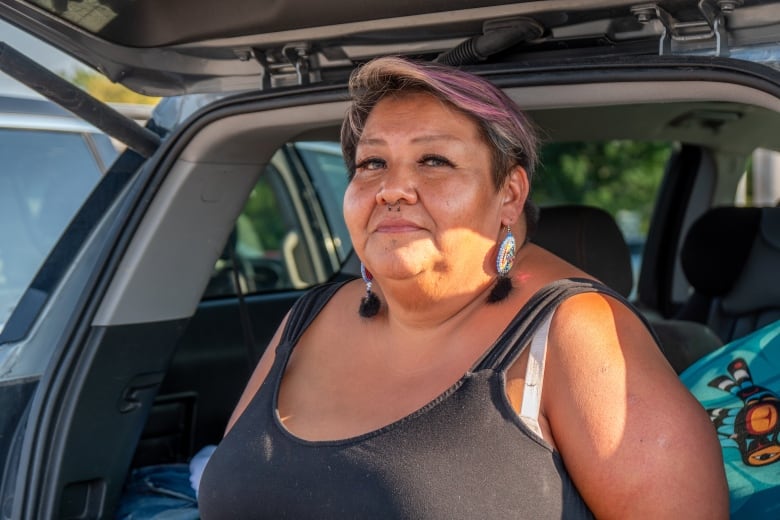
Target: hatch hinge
[293, 64]
[691, 36]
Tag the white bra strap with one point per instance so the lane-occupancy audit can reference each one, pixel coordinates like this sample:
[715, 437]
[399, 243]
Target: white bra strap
[534, 377]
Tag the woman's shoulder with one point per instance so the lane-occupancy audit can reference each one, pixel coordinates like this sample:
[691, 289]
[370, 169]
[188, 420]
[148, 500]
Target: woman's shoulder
[323, 293]
[327, 307]
[570, 289]
[320, 299]
[589, 315]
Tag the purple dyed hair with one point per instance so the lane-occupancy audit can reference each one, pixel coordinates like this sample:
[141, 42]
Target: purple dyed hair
[505, 128]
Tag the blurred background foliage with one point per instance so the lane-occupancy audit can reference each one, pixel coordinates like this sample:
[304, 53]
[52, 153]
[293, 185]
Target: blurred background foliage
[620, 176]
[263, 211]
[105, 90]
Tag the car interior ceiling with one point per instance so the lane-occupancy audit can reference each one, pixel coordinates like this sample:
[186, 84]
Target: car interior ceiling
[184, 230]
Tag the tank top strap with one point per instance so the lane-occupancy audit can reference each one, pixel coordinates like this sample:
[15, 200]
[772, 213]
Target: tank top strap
[532, 315]
[305, 310]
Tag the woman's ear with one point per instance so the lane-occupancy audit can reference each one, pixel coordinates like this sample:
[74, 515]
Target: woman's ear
[515, 192]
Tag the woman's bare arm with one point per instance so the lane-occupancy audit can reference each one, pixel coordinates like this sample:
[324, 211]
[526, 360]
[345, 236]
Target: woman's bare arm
[634, 440]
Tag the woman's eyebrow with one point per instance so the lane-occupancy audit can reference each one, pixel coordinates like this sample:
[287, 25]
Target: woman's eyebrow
[369, 141]
[435, 137]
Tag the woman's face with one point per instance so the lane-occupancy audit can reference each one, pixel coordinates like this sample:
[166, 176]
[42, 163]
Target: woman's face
[422, 200]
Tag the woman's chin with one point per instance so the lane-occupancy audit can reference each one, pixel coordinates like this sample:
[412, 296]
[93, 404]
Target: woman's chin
[401, 263]
[397, 273]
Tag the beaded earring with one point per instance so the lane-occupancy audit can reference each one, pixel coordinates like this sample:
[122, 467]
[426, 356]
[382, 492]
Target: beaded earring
[369, 305]
[504, 260]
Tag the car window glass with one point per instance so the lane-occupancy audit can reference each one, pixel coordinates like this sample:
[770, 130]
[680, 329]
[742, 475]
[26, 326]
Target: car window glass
[325, 164]
[45, 178]
[619, 176]
[291, 232]
[105, 149]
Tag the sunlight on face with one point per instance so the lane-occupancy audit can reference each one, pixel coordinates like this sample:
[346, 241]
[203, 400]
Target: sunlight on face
[422, 201]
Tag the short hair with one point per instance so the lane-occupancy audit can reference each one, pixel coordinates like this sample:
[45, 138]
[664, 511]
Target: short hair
[505, 128]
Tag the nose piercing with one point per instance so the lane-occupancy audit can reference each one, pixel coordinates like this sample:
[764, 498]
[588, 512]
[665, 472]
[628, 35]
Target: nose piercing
[396, 204]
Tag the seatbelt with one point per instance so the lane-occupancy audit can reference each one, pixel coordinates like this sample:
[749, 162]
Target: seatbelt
[243, 311]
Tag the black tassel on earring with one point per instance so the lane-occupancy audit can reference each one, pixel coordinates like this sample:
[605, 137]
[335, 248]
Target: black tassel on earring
[501, 290]
[369, 305]
[504, 260]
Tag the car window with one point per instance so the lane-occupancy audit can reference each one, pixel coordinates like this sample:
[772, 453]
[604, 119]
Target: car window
[46, 176]
[620, 176]
[291, 232]
[105, 149]
[325, 164]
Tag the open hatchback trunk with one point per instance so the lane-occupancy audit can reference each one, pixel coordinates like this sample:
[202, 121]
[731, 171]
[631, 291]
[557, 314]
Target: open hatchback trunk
[131, 344]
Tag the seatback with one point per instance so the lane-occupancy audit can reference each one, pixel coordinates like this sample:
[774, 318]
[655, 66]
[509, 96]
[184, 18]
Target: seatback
[731, 257]
[590, 239]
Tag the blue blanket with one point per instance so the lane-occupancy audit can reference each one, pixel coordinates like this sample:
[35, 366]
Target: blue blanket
[739, 385]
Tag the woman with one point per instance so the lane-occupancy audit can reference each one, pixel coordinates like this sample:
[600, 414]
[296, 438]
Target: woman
[423, 401]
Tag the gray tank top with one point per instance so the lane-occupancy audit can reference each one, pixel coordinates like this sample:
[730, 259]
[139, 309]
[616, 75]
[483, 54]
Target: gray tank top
[466, 454]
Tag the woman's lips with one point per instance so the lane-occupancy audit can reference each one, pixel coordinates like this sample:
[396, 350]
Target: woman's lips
[397, 226]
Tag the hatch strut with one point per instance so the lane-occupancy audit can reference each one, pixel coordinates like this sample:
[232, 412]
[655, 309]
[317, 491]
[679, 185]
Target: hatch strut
[294, 64]
[497, 36]
[75, 100]
[711, 27]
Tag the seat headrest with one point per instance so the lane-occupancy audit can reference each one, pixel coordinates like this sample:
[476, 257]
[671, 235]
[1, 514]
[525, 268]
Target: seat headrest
[734, 253]
[588, 238]
[758, 286]
[716, 247]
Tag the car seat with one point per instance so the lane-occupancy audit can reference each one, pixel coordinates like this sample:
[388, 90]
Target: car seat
[589, 238]
[731, 257]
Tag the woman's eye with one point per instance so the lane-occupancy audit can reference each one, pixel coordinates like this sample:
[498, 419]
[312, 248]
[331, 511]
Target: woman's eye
[435, 161]
[370, 164]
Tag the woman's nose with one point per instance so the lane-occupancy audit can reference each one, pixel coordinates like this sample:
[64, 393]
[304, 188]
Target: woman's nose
[397, 186]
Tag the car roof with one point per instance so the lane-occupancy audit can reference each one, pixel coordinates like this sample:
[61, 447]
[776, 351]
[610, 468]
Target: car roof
[180, 46]
[31, 106]
[30, 113]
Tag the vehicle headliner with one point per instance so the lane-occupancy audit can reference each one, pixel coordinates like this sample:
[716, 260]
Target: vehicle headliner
[721, 115]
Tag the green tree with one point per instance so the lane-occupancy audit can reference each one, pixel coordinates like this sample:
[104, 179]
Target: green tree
[613, 175]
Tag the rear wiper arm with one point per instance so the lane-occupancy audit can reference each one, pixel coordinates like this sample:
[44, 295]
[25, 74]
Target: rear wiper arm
[75, 100]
